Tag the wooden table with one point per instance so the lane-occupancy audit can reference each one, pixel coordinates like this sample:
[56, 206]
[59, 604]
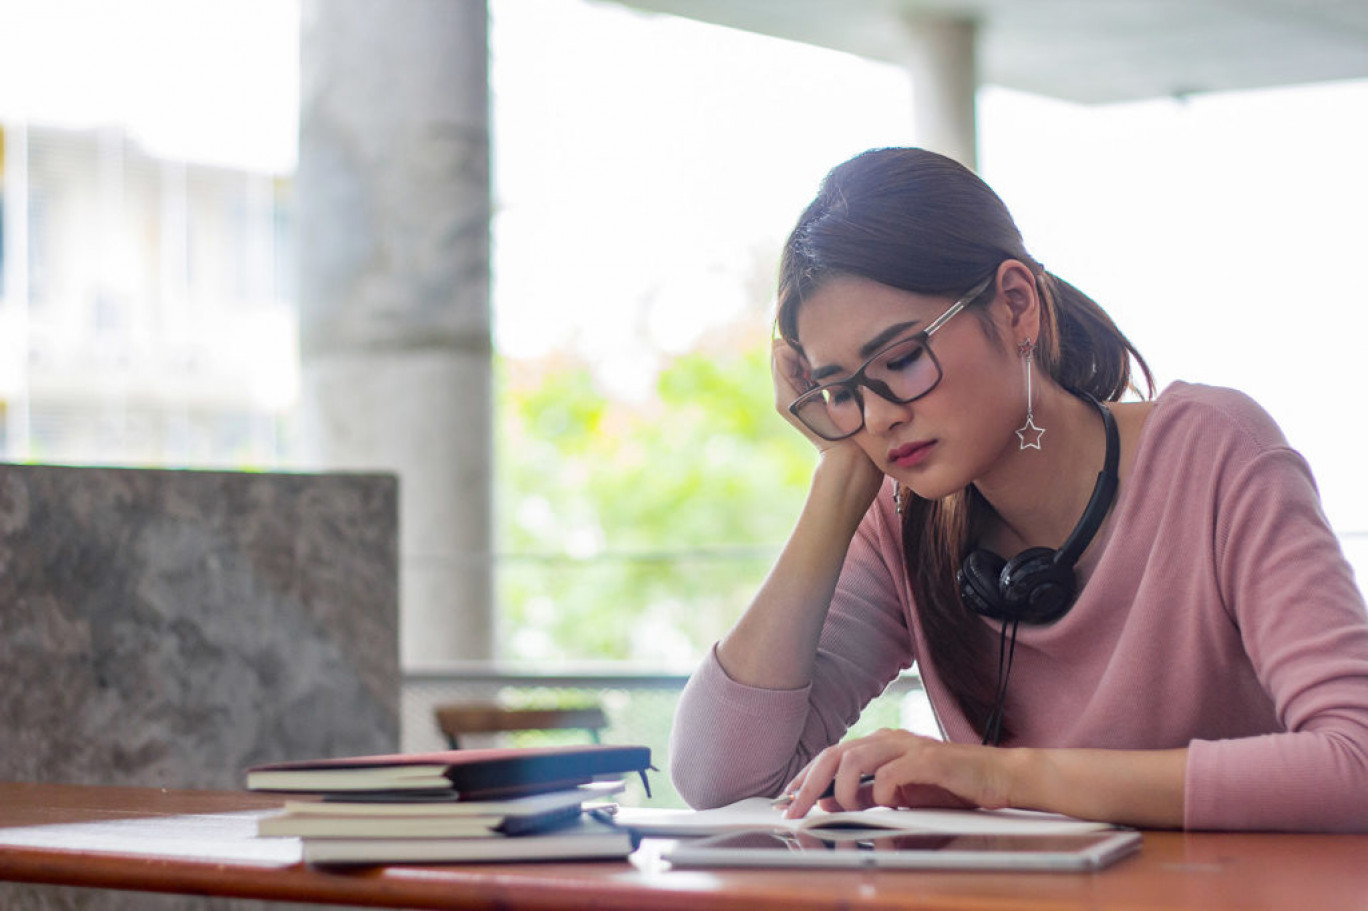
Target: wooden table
[203, 842]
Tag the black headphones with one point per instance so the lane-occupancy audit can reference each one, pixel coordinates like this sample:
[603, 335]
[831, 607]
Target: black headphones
[1037, 586]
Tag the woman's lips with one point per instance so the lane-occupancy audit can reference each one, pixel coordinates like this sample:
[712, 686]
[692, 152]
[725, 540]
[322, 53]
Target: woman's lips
[910, 454]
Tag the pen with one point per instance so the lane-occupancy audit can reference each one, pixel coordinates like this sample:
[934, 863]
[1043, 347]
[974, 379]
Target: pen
[785, 800]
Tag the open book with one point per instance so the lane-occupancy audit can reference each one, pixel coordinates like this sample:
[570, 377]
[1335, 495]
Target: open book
[759, 813]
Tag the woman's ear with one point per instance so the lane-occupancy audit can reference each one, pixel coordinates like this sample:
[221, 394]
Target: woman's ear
[1018, 290]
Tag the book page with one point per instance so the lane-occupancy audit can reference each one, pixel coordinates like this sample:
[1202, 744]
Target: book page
[759, 813]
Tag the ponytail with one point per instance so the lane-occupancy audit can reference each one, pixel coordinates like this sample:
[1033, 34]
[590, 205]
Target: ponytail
[1080, 346]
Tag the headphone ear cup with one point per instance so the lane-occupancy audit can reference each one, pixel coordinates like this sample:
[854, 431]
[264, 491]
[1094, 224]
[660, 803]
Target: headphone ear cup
[979, 577]
[1034, 588]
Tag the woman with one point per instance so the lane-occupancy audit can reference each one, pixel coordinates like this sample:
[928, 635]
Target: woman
[1125, 611]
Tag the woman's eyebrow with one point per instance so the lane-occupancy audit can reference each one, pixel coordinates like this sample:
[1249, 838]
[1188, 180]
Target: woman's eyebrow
[871, 347]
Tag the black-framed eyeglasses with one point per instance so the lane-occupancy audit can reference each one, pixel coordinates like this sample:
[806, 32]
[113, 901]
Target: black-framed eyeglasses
[903, 372]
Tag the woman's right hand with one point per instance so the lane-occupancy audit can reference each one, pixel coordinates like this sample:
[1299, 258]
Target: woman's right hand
[793, 377]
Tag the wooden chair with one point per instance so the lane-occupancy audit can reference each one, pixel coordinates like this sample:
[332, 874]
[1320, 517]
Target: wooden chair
[456, 720]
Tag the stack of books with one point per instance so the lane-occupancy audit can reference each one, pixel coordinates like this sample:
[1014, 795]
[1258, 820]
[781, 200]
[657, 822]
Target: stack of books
[532, 803]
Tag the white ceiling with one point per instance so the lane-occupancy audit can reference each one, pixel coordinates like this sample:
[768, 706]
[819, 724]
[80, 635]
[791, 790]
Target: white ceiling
[1085, 50]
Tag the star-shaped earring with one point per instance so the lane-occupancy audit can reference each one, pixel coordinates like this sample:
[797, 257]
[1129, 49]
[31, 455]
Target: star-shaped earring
[1027, 350]
[1030, 429]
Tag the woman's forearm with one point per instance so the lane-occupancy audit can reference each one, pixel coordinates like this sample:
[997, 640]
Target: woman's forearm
[1141, 788]
[774, 643]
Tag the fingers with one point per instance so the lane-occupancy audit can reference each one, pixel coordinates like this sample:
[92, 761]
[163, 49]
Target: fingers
[852, 786]
[811, 784]
[843, 777]
[796, 789]
[792, 376]
[896, 769]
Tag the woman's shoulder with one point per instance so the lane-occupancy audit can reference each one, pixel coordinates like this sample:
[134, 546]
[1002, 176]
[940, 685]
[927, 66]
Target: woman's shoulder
[1212, 415]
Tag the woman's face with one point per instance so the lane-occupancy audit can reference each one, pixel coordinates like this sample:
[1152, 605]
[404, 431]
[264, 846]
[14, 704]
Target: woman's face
[956, 433]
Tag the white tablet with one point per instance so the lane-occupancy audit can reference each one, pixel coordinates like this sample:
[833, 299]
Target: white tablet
[882, 849]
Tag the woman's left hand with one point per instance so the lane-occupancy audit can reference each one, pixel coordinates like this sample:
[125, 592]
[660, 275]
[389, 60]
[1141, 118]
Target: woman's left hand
[907, 771]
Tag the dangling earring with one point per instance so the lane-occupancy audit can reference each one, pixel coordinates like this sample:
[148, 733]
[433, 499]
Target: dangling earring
[899, 498]
[1027, 350]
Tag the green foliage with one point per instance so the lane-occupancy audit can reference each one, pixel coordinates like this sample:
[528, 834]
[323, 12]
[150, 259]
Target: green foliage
[639, 531]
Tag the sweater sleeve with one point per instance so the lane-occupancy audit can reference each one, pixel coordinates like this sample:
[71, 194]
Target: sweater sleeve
[1288, 589]
[730, 741]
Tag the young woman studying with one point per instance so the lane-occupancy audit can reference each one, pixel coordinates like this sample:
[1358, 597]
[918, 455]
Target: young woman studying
[1126, 611]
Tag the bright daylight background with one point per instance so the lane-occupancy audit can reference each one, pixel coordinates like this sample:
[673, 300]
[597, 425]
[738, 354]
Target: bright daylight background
[644, 165]
[649, 169]
[646, 171]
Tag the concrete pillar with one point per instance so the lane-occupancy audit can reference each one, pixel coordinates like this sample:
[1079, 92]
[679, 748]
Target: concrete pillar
[943, 65]
[394, 204]
[14, 235]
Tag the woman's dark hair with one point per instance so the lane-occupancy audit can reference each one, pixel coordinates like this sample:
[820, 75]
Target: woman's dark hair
[921, 222]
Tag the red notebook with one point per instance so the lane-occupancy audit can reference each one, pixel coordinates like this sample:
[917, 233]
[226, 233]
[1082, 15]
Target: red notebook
[468, 774]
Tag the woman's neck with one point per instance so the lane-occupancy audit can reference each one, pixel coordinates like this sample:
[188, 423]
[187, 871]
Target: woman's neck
[1038, 495]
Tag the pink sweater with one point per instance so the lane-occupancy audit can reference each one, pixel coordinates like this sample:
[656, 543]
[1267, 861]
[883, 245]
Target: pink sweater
[1217, 613]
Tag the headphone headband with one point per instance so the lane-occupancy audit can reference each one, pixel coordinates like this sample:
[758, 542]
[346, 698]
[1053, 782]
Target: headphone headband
[1037, 586]
[1102, 494]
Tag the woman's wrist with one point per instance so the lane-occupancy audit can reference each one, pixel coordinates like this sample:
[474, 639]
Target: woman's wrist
[1025, 771]
[1130, 787]
[846, 482]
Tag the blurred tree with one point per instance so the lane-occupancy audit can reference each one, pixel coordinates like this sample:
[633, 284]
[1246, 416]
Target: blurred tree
[640, 531]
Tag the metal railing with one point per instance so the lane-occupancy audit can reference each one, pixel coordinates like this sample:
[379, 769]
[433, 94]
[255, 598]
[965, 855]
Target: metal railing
[639, 704]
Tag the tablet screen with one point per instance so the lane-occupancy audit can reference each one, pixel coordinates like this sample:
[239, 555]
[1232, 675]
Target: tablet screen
[880, 848]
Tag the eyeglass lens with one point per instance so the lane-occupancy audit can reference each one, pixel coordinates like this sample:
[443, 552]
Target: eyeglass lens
[901, 373]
